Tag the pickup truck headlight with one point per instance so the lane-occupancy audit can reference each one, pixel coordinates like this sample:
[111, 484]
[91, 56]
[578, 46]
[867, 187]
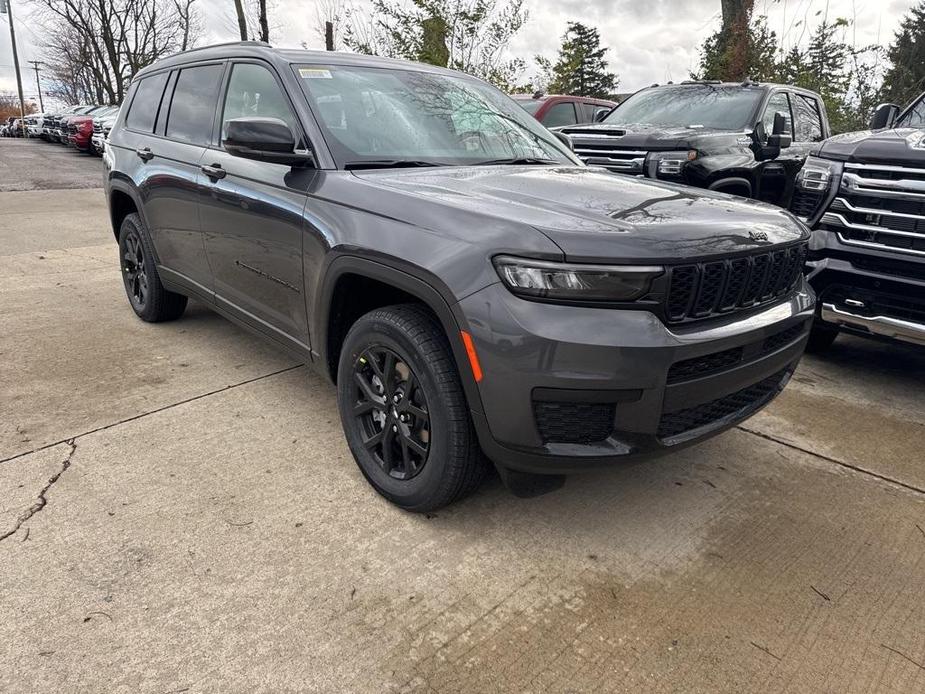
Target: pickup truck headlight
[668, 165]
[818, 174]
[538, 279]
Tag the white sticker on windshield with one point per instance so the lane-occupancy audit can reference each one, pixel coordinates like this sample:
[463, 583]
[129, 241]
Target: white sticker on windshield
[311, 73]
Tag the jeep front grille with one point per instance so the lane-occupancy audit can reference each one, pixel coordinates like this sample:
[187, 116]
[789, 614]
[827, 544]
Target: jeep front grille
[701, 290]
[880, 207]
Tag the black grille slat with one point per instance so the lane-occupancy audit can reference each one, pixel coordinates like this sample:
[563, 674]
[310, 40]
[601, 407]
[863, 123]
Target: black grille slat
[739, 404]
[738, 275]
[712, 278]
[681, 292]
[574, 422]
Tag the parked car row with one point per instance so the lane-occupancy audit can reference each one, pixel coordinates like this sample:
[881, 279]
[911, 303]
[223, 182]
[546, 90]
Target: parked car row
[83, 127]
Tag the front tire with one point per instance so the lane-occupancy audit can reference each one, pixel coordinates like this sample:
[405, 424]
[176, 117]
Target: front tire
[147, 295]
[404, 412]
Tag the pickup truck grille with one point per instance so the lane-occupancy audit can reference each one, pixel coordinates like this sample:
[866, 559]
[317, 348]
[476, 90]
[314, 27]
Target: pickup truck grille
[597, 148]
[880, 207]
[701, 290]
[97, 126]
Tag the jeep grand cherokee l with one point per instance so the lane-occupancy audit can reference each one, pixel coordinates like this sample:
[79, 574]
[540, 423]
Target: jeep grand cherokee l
[465, 281]
[864, 195]
[746, 138]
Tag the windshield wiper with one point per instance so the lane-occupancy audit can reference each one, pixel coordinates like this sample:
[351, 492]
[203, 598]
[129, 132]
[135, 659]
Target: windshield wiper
[390, 163]
[516, 161]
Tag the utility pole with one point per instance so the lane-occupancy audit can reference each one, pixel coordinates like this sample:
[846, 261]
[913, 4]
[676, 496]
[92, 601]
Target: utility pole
[6, 7]
[38, 85]
[328, 35]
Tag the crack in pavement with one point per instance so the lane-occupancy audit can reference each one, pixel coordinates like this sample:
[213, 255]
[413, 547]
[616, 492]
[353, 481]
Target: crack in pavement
[42, 500]
[835, 461]
[150, 412]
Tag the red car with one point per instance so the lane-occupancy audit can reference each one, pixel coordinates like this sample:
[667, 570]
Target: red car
[554, 110]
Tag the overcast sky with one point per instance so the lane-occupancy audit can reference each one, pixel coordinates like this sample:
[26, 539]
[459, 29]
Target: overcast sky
[649, 40]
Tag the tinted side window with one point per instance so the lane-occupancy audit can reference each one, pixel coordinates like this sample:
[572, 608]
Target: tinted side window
[144, 106]
[253, 91]
[193, 104]
[809, 124]
[778, 102]
[562, 113]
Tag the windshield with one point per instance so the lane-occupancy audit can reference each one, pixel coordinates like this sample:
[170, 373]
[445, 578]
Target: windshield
[684, 106]
[387, 116]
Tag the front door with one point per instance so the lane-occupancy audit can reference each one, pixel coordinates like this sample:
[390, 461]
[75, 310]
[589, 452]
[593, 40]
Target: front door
[251, 215]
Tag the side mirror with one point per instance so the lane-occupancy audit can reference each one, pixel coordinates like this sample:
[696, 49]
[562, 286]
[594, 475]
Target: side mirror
[884, 116]
[566, 140]
[780, 137]
[263, 139]
[601, 115]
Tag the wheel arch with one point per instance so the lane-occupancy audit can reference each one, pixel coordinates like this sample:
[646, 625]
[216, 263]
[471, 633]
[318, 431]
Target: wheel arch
[392, 285]
[735, 185]
[123, 201]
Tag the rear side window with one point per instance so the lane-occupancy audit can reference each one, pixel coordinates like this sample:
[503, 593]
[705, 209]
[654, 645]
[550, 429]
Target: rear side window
[562, 113]
[193, 104]
[809, 124]
[143, 110]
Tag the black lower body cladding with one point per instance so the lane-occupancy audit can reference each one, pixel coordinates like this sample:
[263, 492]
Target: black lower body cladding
[567, 387]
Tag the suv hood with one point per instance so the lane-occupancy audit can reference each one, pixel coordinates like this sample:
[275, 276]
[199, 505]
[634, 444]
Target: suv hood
[903, 146]
[595, 215]
[648, 137]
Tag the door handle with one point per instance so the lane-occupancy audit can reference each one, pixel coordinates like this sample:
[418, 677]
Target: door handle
[215, 172]
[145, 154]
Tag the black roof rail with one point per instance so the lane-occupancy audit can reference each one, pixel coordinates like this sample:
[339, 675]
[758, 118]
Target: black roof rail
[702, 82]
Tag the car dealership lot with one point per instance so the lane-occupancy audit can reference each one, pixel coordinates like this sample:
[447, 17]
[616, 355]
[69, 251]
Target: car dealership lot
[185, 516]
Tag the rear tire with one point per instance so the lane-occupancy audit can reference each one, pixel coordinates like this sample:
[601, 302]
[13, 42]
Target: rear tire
[399, 393]
[821, 337]
[146, 293]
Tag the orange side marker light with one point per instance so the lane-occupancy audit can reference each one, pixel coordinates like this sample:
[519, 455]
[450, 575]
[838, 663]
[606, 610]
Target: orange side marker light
[473, 357]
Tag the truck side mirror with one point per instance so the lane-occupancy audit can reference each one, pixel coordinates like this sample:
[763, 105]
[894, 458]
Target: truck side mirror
[602, 114]
[884, 116]
[780, 136]
[565, 139]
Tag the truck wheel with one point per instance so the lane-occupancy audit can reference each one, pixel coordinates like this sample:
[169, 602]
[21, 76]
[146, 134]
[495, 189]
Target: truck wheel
[150, 301]
[821, 338]
[403, 410]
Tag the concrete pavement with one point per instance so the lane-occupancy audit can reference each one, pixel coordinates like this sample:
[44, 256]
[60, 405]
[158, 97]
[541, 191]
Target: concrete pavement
[179, 512]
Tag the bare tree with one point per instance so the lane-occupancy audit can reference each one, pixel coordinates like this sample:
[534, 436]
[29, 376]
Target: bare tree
[242, 20]
[95, 47]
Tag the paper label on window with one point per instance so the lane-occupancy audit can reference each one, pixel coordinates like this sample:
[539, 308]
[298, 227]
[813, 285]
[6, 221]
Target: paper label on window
[311, 73]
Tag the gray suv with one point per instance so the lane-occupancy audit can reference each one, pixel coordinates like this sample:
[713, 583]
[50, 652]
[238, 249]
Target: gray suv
[474, 291]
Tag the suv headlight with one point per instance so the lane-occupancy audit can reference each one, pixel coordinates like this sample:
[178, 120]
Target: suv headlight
[538, 279]
[668, 165]
[818, 174]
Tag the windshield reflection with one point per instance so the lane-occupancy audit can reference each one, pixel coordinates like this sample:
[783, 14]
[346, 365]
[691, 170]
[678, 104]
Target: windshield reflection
[689, 106]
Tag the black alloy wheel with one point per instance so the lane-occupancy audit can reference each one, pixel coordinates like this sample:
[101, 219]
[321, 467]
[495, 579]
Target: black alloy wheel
[392, 411]
[133, 270]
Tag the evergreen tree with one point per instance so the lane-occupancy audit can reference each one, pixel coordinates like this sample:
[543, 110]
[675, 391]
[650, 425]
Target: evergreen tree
[724, 56]
[905, 79]
[581, 69]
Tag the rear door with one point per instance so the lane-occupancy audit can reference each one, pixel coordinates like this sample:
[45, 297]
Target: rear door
[252, 214]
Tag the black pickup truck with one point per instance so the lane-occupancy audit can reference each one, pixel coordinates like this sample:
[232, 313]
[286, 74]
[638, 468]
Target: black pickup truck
[747, 139]
[863, 194]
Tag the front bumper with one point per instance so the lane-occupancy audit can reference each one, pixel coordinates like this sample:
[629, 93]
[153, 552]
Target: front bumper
[567, 387]
[871, 295]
